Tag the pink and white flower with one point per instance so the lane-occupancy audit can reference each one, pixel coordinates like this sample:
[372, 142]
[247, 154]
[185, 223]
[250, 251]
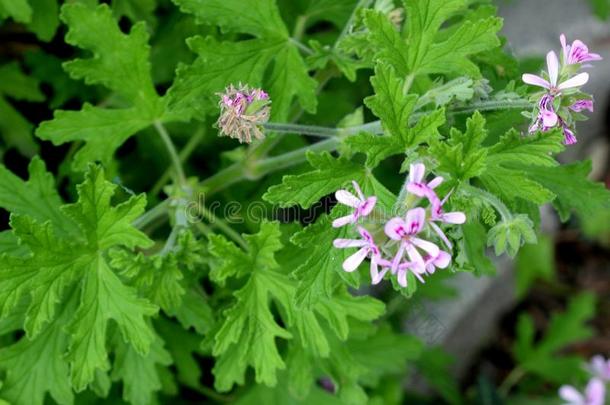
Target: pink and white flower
[368, 248]
[547, 117]
[551, 85]
[578, 52]
[403, 268]
[600, 368]
[405, 231]
[362, 205]
[440, 261]
[594, 394]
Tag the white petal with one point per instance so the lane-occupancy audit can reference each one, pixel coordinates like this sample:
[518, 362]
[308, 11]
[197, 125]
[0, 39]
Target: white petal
[552, 64]
[564, 47]
[402, 278]
[442, 260]
[429, 247]
[339, 222]
[417, 189]
[435, 182]
[415, 220]
[570, 394]
[376, 275]
[549, 118]
[347, 198]
[351, 263]
[416, 172]
[454, 217]
[595, 392]
[358, 190]
[535, 80]
[348, 243]
[395, 228]
[418, 261]
[396, 260]
[575, 81]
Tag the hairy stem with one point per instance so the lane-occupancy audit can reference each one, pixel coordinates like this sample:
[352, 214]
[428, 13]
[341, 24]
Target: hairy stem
[173, 154]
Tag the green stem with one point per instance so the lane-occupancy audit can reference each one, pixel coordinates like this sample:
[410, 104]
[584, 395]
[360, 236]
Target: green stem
[224, 227]
[173, 154]
[511, 380]
[307, 50]
[492, 105]
[152, 215]
[490, 198]
[312, 130]
[299, 27]
[185, 153]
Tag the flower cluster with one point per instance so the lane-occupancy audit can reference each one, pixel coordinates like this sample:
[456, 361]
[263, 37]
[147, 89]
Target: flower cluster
[561, 101]
[595, 391]
[242, 112]
[399, 246]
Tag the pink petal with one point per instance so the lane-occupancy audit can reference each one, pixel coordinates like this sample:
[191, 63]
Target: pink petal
[576, 81]
[395, 228]
[347, 198]
[570, 394]
[358, 190]
[339, 222]
[441, 235]
[564, 47]
[348, 243]
[549, 118]
[595, 392]
[416, 172]
[368, 206]
[417, 189]
[417, 272]
[435, 182]
[402, 278]
[415, 220]
[376, 275]
[552, 65]
[429, 247]
[535, 80]
[456, 217]
[351, 263]
[442, 260]
[396, 260]
[418, 261]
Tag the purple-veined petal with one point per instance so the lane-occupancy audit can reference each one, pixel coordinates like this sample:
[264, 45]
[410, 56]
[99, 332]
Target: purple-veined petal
[349, 243]
[571, 394]
[358, 190]
[552, 65]
[581, 105]
[416, 172]
[535, 80]
[347, 198]
[441, 235]
[351, 263]
[339, 222]
[549, 118]
[576, 81]
[367, 206]
[568, 136]
[396, 228]
[456, 217]
[415, 220]
[429, 247]
[595, 393]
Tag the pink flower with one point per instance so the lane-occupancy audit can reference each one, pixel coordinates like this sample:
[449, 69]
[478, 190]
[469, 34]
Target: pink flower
[418, 186]
[595, 394]
[568, 135]
[578, 52]
[362, 205]
[401, 272]
[581, 105]
[600, 367]
[553, 70]
[437, 215]
[367, 249]
[405, 231]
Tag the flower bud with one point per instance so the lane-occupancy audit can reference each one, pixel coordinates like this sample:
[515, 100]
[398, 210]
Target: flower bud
[242, 112]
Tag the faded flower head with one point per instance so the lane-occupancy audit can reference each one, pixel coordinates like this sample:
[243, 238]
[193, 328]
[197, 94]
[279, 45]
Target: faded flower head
[403, 244]
[561, 99]
[242, 112]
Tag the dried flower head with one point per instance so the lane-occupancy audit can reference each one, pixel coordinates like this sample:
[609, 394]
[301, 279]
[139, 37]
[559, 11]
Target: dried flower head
[242, 112]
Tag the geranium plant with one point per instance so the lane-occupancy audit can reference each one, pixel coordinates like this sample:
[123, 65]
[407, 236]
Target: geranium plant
[215, 185]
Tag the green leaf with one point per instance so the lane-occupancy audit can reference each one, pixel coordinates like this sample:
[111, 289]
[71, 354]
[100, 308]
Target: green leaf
[36, 366]
[56, 263]
[247, 335]
[575, 192]
[120, 63]
[564, 329]
[248, 60]
[474, 248]
[45, 19]
[139, 373]
[535, 262]
[19, 10]
[136, 10]
[305, 189]
[510, 234]
[434, 364]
